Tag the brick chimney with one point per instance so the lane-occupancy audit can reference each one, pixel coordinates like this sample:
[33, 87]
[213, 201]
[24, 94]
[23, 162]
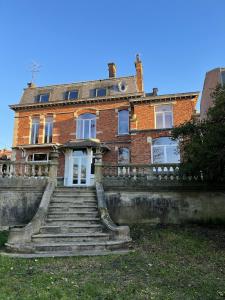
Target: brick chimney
[112, 70]
[139, 74]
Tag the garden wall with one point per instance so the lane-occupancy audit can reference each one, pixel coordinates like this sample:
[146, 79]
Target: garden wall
[19, 200]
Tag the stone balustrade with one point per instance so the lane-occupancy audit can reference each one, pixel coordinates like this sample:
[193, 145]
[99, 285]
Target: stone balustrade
[161, 172]
[25, 169]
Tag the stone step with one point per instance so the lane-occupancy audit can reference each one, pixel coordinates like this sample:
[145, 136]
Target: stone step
[72, 209]
[71, 202]
[75, 189]
[74, 195]
[80, 228]
[72, 221]
[70, 237]
[66, 205]
[81, 246]
[59, 215]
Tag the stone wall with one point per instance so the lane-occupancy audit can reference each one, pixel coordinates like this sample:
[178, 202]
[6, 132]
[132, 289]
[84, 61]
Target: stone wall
[161, 206]
[19, 200]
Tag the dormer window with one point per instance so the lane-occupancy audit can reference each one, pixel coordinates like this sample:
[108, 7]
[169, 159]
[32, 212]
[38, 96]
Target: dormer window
[72, 95]
[42, 97]
[99, 92]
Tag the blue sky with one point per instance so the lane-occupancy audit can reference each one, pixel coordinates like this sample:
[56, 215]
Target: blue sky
[178, 41]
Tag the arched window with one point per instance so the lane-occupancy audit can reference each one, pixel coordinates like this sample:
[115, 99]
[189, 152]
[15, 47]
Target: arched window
[165, 150]
[86, 126]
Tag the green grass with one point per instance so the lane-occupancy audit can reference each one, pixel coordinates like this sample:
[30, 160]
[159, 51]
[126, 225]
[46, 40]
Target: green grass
[168, 263]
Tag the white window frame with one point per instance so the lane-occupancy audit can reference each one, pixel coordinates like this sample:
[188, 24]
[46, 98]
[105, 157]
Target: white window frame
[164, 151]
[68, 95]
[118, 155]
[42, 95]
[48, 124]
[33, 142]
[96, 91]
[37, 160]
[163, 113]
[81, 136]
[118, 122]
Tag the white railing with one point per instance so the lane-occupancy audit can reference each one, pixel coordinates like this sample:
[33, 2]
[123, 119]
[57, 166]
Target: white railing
[25, 169]
[147, 172]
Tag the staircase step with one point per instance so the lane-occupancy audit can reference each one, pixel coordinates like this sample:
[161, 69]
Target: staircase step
[82, 246]
[72, 221]
[66, 215]
[76, 196]
[70, 209]
[79, 228]
[70, 237]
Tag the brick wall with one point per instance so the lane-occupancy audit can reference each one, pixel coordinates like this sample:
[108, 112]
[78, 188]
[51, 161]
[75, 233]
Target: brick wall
[64, 128]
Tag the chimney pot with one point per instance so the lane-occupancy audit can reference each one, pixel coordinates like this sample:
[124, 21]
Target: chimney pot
[112, 70]
[31, 85]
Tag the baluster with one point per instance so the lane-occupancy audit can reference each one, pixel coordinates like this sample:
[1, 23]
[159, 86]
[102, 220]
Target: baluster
[1, 171]
[39, 171]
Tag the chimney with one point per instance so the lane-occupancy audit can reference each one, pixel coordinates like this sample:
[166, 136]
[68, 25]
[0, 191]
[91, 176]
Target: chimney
[139, 74]
[31, 85]
[112, 70]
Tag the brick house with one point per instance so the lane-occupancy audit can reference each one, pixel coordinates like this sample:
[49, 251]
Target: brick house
[114, 116]
[212, 79]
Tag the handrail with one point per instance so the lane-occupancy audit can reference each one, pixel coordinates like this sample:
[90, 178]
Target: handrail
[20, 238]
[117, 232]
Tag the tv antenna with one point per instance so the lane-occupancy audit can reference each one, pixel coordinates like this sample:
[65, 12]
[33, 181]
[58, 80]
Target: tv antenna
[34, 69]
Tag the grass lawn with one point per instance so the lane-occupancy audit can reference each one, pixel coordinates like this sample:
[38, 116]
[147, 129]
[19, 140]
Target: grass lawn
[168, 263]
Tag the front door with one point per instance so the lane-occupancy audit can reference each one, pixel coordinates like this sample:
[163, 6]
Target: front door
[78, 168]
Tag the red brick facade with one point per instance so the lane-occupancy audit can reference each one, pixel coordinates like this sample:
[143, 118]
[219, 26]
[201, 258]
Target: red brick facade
[141, 122]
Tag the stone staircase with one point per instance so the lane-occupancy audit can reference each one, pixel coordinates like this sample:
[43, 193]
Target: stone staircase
[73, 227]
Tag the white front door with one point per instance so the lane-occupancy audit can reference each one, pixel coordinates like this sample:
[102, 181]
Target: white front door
[78, 168]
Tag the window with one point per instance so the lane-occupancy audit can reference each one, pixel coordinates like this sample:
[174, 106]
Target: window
[38, 157]
[86, 126]
[71, 95]
[48, 129]
[100, 92]
[165, 150]
[123, 122]
[42, 98]
[123, 155]
[35, 130]
[163, 116]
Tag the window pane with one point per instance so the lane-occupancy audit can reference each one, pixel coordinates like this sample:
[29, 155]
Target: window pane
[43, 98]
[40, 157]
[123, 156]
[159, 120]
[168, 120]
[123, 122]
[172, 154]
[158, 155]
[86, 129]
[101, 92]
[162, 108]
[79, 129]
[93, 129]
[35, 130]
[73, 94]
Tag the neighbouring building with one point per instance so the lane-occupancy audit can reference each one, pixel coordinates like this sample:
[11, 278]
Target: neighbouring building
[212, 79]
[113, 115]
[5, 154]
